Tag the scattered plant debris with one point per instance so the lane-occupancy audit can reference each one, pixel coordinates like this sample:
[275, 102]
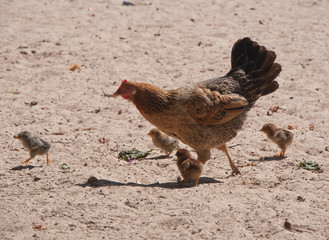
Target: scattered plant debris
[272, 110]
[292, 127]
[64, 166]
[311, 127]
[38, 227]
[103, 140]
[133, 154]
[75, 67]
[309, 165]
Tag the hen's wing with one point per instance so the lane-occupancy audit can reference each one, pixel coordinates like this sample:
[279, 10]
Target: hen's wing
[211, 108]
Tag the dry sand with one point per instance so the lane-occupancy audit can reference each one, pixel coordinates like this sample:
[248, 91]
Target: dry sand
[168, 44]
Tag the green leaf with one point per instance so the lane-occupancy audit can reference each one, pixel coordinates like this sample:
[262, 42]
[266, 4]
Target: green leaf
[133, 154]
[309, 165]
[64, 166]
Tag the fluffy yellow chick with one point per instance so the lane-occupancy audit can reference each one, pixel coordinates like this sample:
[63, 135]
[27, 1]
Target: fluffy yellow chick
[163, 141]
[283, 138]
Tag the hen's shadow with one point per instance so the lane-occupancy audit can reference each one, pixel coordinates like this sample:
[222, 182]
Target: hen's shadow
[171, 185]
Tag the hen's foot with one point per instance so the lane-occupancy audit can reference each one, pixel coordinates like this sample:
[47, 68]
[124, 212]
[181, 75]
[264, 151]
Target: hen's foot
[235, 171]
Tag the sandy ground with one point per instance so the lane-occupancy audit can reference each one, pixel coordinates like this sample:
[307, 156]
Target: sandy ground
[167, 44]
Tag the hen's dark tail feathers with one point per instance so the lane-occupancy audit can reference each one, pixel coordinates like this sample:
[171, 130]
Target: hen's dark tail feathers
[258, 64]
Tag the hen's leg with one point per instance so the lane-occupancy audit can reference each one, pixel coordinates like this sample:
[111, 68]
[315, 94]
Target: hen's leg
[203, 155]
[48, 161]
[235, 170]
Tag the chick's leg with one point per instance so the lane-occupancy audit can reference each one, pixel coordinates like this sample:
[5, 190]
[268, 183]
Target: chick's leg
[235, 170]
[48, 161]
[183, 182]
[196, 181]
[281, 154]
[27, 161]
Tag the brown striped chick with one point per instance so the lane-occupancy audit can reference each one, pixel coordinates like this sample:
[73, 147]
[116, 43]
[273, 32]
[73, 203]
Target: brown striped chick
[188, 166]
[163, 141]
[283, 138]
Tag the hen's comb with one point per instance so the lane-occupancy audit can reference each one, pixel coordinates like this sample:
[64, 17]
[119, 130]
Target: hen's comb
[122, 83]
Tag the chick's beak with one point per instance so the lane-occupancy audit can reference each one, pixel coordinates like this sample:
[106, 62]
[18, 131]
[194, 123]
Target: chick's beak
[15, 136]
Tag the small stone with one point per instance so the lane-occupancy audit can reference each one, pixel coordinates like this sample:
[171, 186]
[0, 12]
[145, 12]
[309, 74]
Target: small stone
[92, 179]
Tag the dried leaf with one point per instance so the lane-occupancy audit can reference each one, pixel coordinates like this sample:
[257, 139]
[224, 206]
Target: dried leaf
[15, 149]
[88, 129]
[292, 127]
[57, 133]
[311, 127]
[103, 140]
[272, 110]
[75, 67]
[39, 227]
[15, 92]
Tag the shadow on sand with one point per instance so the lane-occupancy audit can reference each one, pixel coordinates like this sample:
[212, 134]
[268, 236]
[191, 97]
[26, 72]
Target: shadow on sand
[264, 159]
[20, 167]
[171, 185]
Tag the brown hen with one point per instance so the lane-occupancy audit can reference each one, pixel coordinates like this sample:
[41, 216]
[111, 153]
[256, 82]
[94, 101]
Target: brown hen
[208, 114]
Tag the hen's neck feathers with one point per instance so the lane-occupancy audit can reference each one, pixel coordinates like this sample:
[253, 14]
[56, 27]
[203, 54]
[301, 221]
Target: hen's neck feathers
[151, 99]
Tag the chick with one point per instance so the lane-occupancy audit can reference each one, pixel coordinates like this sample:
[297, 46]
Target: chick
[163, 141]
[283, 138]
[35, 145]
[188, 166]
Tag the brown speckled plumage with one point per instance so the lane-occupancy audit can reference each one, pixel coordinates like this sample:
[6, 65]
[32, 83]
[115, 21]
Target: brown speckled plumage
[207, 114]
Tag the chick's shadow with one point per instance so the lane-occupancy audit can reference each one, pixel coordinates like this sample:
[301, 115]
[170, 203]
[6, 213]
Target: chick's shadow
[20, 167]
[169, 185]
[264, 159]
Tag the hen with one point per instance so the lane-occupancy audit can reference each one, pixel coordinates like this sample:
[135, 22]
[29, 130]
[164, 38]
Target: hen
[208, 114]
